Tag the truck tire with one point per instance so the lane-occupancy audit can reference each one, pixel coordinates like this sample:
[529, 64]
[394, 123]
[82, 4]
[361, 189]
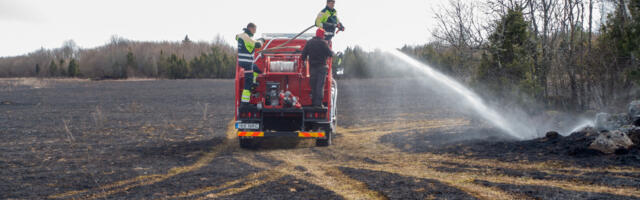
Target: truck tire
[333, 116]
[325, 142]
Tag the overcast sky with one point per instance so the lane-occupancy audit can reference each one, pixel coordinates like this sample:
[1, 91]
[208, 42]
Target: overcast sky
[28, 25]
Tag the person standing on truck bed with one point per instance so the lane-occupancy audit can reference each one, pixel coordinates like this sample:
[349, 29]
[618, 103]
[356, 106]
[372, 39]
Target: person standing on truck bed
[246, 49]
[328, 20]
[318, 51]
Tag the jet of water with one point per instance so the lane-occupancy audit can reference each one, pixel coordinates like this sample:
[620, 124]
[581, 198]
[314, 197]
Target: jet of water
[580, 126]
[476, 103]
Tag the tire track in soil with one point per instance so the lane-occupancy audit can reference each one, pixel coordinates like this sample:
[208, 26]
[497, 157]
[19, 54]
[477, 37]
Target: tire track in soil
[319, 166]
[363, 142]
[125, 185]
[315, 172]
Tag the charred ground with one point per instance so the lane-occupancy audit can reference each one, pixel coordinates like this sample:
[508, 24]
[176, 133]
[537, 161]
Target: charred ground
[68, 139]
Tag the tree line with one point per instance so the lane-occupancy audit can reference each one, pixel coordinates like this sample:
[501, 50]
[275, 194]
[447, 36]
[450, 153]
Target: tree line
[122, 58]
[547, 51]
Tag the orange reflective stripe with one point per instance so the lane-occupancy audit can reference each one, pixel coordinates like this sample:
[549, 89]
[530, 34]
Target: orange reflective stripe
[250, 134]
[310, 134]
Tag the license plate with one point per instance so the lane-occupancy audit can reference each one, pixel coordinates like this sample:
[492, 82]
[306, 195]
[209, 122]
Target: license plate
[252, 126]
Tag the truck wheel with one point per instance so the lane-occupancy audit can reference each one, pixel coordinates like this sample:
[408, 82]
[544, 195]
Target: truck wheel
[246, 143]
[325, 142]
[334, 104]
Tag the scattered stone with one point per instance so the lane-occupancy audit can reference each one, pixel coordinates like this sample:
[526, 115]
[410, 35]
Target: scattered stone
[610, 141]
[578, 143]
[552, 135]
[587, 131]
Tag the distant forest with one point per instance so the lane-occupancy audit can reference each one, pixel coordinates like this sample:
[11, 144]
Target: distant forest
[122, 58]
[545, 51]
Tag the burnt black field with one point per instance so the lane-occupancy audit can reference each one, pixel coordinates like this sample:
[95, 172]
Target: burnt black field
[174, 139]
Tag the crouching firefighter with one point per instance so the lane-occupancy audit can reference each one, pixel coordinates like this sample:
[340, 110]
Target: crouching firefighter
[318, 51]
[246, 49]
[328, 20]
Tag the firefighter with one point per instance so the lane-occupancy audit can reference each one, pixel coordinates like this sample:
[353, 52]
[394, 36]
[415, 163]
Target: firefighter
[317, 50]
[328, 20]
[246, 49]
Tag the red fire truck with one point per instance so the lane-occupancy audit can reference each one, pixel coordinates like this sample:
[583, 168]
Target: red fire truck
[280, 105]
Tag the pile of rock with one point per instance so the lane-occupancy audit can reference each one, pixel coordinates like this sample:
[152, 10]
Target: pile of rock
[618, 133]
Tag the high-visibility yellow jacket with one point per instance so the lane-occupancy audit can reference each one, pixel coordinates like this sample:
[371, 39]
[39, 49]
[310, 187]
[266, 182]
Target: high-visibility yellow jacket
[246, 47]
[327, 15]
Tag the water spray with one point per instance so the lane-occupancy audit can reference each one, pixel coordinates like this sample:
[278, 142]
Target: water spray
[583, 124]
[511, 127]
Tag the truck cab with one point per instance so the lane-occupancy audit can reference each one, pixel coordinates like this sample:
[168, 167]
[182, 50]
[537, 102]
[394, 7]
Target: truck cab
[280, 105]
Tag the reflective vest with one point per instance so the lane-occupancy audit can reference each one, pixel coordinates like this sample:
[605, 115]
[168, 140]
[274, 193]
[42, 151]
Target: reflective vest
[327, 15]
[246, 48]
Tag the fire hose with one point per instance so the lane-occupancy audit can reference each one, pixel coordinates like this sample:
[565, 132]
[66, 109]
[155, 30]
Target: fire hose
[282, 46]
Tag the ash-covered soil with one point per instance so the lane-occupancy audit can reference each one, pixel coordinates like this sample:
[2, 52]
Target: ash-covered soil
[489, 143]
[174, 139]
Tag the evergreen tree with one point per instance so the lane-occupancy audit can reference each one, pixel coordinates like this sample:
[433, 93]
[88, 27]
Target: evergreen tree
[355, 61]
[53, 69]
[63, 71]
[131, 64]
[186, 40]
[178, 67]
[119, 71]
[73, 68]
[506, 67]
[621, 34]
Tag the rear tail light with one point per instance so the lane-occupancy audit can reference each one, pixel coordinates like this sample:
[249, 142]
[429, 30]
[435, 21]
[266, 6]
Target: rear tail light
[249, 115]
[316, 115]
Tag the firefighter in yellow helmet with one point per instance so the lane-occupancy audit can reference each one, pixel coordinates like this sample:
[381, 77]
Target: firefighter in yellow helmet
[246, 49]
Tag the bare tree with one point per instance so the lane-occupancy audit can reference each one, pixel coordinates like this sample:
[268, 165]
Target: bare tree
[69, 49]
[461, 27]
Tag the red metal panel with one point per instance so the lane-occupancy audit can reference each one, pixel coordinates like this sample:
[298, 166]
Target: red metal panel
[296, 82]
